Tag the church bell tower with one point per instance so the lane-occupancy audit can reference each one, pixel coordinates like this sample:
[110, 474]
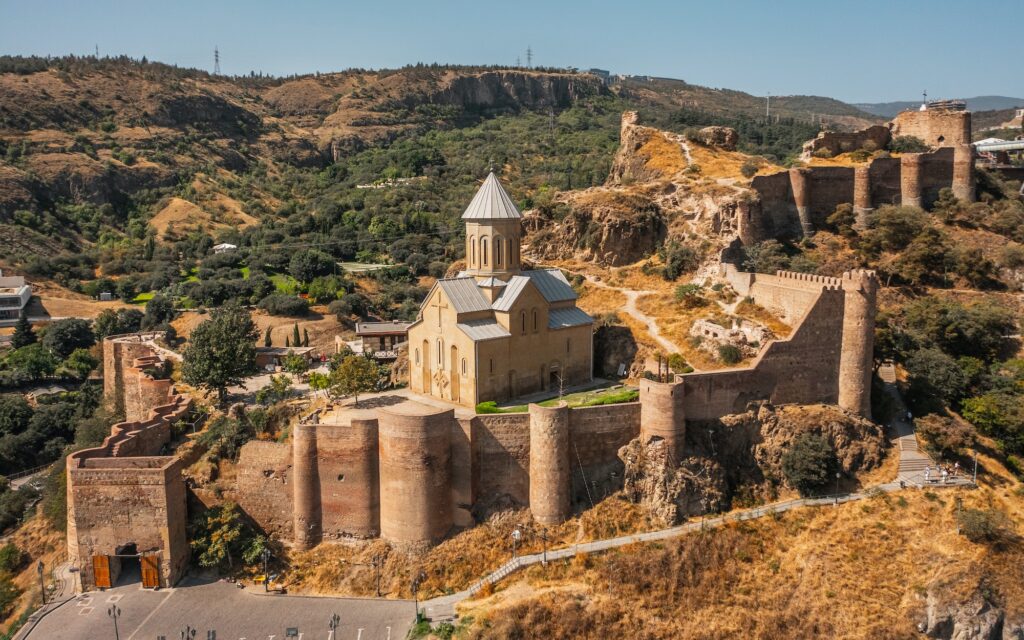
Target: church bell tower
[493, 230]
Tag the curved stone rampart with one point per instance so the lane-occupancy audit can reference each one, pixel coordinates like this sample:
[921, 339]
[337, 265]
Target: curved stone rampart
[348, 478]
[910, 179]
[857, 355]
[415, 476]
[550, 471]
[307, 486]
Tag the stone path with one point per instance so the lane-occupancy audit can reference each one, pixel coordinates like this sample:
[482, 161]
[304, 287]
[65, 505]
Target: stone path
[911, 473]
[630, 307]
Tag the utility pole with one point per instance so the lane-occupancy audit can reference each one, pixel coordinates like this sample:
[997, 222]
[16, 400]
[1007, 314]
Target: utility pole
[216, 61]
[518, 63]
[266, 576]
[97, 52]
[333, 625]
[544, 540]
[115, 613]
[768, 105]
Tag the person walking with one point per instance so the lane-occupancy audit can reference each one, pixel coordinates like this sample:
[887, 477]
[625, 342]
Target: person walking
[927, 474]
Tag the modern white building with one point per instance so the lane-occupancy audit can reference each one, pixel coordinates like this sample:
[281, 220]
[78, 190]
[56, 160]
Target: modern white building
[14, 296]
[224, 247]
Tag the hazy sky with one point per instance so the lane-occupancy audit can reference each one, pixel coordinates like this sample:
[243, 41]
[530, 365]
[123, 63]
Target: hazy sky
[858, 51]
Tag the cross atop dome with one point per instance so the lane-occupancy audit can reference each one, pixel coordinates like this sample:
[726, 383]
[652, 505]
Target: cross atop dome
[492, 202]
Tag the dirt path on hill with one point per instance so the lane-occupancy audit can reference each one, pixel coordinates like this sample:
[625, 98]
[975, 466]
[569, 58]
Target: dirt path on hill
[651, 324]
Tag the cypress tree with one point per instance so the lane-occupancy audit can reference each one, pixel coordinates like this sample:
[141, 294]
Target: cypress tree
[296, 338]
[305, 337]
[23, 333]
[267, 342]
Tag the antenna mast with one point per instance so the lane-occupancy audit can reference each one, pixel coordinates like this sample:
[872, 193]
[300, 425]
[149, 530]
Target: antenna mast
[216, 61]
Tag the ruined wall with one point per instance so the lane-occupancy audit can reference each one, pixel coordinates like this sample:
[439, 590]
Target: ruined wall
[595, 436]
[935, 127]
[837, 142]
[501, 456]
[264, 486]
[117, 501]
[120, 353]
[140, 391]
[347, 466]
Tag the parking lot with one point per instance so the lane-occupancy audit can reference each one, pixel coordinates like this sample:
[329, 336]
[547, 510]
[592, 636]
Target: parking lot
[221, 607]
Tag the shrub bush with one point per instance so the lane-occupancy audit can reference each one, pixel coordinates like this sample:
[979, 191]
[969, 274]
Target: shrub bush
[729, 354]
[280, 304]
[809, 463]
[983, 525]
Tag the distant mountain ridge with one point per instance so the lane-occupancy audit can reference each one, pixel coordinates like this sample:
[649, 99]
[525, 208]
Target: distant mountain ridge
[977, 103]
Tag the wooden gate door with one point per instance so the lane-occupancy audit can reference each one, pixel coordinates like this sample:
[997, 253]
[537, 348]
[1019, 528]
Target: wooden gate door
[101, 571]
[150, 571]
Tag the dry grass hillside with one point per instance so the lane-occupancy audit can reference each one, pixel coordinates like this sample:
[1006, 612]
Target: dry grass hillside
[862, 570]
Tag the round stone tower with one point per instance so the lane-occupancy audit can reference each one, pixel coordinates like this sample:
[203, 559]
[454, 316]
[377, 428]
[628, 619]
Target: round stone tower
[799, 180]
[862, 195]
[860, 289]
[493, 230]
[662, 414]
[910, 179]
[415, 476]
[550, 469]
[307, 487]
[963, 172]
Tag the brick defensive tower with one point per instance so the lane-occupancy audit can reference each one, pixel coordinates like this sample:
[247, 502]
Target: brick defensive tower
[550, 470]
[307, 487]
[662, 414]
[963, 172]
[855, 364]
[862, 195]
[799, 180]
[910, 179]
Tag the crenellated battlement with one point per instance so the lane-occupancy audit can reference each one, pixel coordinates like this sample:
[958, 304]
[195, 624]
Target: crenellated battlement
[827, 282]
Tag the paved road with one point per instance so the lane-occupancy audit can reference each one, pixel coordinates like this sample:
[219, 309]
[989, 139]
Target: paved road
[220, 606]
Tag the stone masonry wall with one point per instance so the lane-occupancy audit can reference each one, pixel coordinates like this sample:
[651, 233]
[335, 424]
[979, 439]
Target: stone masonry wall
[501, 456]
[264, 486]
[595, 436]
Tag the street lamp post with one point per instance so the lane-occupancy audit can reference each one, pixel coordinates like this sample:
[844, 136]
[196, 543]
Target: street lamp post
[115, 612]
[333, 625]
[837, 487]
[544, 540]
[415, 590]
[377, 562]
[42, 586]
[516, 534]
[266, 575]
[188, 633]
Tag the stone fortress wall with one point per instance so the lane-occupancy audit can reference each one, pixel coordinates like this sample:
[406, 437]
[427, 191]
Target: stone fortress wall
[123, 492]
[412, 477]
[798, 201]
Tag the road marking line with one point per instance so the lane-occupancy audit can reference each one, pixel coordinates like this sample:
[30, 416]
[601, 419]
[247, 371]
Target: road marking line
[151, 614]
[359, 635]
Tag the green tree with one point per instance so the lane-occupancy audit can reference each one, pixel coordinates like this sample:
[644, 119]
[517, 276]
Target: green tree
[23, 333]
[319, 381]
[113, 322]
[295, 364]
[325, 289]
[729, 354]
[9, 593]
[355, 375]
[945, 436]
[218, 535]
[305, 337]
[296, 339]
[279, 389]
[267, 341]
[308, 264]
[765, 257]
[809, 463]
[690, 295]
[934, 376]
[15, 412]
[843, 220]
[159, 311]
[64, 336]
[80, 363]
[221, 351]
[12, 558]
[34, 361]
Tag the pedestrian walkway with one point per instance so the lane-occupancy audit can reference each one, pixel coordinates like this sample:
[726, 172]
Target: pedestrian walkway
[911, 474]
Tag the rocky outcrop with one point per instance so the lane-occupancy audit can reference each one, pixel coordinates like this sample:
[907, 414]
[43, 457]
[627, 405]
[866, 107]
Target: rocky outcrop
[612, 232]
[203, 111]
[721, 137]
[671, 491]
[515, 90]
[973, 618]
[741, 453]
[630, 165]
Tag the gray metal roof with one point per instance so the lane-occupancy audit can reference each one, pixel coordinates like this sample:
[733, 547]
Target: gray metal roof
[491, 202]
[483, 330]
[374, 328]
[515, 286]
[493, 282]
[568, 317]
[552, 284]
[464, 295]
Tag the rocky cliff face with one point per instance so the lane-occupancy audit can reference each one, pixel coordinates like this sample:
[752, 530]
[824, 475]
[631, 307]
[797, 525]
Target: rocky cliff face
[741, 453]
[515, 90]
[976, 617]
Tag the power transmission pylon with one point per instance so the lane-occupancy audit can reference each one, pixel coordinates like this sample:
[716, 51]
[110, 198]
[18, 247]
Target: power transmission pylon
[216, 61]
[529, 57]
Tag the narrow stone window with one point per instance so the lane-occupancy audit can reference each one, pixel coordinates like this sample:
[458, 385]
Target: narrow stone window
[535, 321]
[417, 356]
[472, 251]
[341, 477]
[498, 251]
[483, 250]
[567, 345]
[463, 366]
[523, 314]
[492, 365]
[440, 352]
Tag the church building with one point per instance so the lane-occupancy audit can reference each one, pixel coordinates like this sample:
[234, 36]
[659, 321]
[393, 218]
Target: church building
[496, 332]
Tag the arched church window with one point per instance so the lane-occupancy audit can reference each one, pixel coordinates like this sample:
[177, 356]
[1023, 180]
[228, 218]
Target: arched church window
[498, 250]
[523, 316]
[535, 321]
[472, 251]
[483, 251]
[440, 352]
[492, 365]
[463, 366]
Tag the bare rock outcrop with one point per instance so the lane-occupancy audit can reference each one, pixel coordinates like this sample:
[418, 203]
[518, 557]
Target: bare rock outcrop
[741, 453]
[630, 165]
[721, 137]
[974, 618]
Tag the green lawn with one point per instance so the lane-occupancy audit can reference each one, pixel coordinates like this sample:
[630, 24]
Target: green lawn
[592, 398]
[245, 273]
[284, 283]
[143, 297]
